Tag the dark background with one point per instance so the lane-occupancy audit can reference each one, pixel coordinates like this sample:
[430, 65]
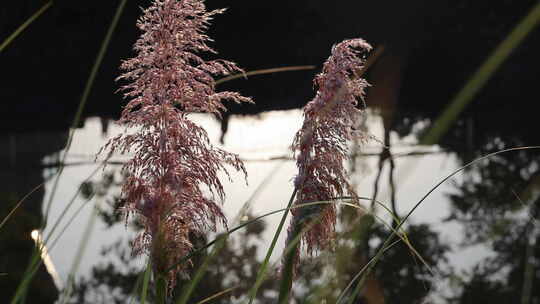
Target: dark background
[435, 45]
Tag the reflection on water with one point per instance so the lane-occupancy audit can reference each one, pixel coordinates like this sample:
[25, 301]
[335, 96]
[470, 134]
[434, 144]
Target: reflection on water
[477, 235]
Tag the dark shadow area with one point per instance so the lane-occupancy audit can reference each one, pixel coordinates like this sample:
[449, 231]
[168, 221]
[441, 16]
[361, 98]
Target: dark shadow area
[21, 174]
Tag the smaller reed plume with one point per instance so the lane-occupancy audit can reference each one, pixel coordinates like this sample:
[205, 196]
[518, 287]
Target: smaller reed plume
[322, 145]
[174, 162]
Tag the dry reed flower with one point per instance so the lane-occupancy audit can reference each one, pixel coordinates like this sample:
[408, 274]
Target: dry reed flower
[322, 144]
[174, 161]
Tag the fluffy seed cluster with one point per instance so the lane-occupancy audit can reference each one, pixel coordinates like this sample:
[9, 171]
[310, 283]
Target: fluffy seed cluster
[174, 162]
[321, 145]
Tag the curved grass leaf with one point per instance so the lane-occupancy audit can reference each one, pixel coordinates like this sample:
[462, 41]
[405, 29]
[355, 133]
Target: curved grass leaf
[365, 271]
[223, 238]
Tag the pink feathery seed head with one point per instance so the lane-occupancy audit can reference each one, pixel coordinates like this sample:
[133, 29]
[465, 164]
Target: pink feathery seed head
[167, 69]
[173, 161]
[322, 144]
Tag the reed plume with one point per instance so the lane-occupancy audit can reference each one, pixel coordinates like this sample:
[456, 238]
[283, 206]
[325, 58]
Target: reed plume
[322, 145]
[173, 162]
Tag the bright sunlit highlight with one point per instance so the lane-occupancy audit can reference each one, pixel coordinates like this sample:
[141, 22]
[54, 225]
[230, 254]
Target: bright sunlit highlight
[36, 236]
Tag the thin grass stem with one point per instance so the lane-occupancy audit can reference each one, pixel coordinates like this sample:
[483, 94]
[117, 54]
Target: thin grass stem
[223, 238]
[264, 266]
[188, 290]
[23, 26]
[19, 203]
[84, 98]
[481, 76]
[341, 296]
[146, 281]
[265, 71]
[80, 253]
[140, 277]
[219, 294]
[389, 239]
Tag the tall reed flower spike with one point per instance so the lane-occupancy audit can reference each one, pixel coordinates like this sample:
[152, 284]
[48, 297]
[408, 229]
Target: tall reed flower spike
[322, 144]
[174, 162]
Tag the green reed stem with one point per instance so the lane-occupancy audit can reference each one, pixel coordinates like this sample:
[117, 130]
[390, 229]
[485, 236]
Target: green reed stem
[188, 290]
[481, 76]
[264, 266]
[23, 26]
[84, 98]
